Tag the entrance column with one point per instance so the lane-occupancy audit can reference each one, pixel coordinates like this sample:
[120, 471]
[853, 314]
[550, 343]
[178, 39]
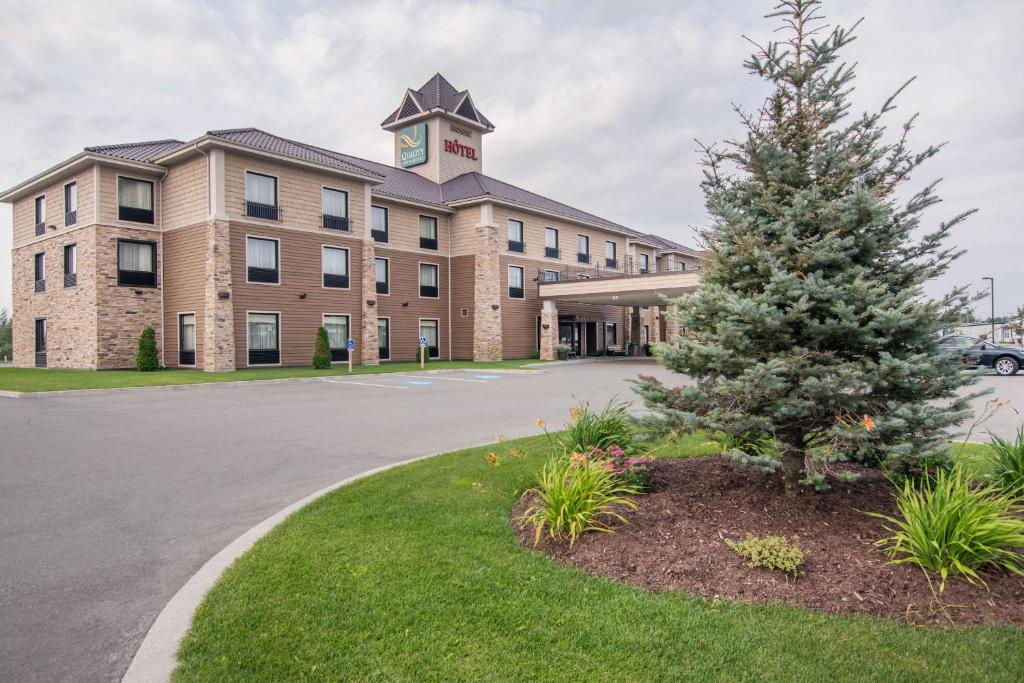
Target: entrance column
[671, 323]
[548, 331]
[634, 327]
[655, 324]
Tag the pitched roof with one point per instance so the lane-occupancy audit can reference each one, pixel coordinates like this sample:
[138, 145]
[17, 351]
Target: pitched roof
[438, 93]
[667, 245]
[261, 140]
[473, 185]
[137, 151]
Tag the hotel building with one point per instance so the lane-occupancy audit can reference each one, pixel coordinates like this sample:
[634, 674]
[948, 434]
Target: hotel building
[237, 245]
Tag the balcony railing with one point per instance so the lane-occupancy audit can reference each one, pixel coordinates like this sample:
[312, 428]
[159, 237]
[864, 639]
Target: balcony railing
[70, 218]
[515, 246]
[267, 212]
[40, 285]
[566, 272]
[40, 359]
[516, 293]
[551, 252]
[335, 222]
[428, 243]
[70, 279]
[382, 288]
[40, 229]
[428, 292]
[583, 258]
[336, 281]
[263, 275]
[379, 236]
[611, 263]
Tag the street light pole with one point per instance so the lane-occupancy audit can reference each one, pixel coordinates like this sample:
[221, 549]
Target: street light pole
[992, 301]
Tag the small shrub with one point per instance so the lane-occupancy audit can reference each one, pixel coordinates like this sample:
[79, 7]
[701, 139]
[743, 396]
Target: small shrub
[633, 470]
[146, 359]
[322, 350]
[951, 526]
[770, 552]
[588, 429]
[575, 495]
[1007, 462]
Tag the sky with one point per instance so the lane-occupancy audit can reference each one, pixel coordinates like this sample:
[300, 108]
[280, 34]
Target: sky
[595, 104]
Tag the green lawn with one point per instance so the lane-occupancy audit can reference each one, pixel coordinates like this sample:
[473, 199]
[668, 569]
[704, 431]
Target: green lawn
[414, 575]
[54, 379]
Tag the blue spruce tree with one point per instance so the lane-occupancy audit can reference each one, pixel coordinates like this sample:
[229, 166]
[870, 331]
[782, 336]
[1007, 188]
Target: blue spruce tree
[810, 325]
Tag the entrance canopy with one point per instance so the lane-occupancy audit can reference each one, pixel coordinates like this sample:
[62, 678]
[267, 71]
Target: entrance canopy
[624, 290]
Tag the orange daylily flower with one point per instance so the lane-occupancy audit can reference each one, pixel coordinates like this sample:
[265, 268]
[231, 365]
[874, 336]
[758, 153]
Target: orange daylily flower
[868, 423]
[539, 422]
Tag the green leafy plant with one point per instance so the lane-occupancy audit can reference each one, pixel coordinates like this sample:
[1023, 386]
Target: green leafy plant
[322, 349]
[770, 552]
[574, 495]
[146, 358]
[952, 526]
[611, 426]
[1007, 462]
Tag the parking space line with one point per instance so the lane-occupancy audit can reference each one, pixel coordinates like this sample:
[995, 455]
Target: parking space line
[364, 384]
[460, 379]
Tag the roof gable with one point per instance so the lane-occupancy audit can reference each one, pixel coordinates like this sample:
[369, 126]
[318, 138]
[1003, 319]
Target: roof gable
[438, 93]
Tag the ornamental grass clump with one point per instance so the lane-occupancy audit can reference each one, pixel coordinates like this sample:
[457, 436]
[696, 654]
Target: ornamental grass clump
[953, 526]
[575, 494]
[1007, 462]
[611, 426]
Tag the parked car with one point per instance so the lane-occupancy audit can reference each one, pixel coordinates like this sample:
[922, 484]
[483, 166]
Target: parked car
[1005, 360]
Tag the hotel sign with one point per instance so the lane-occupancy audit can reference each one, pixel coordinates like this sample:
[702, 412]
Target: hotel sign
[456, 147]
[412, 145]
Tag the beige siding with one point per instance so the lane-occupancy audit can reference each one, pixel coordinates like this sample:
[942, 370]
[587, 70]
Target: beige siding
[108, 197]
[442, 165]
[185, 194]
[299, 189]
[404, 227]
[24, 209]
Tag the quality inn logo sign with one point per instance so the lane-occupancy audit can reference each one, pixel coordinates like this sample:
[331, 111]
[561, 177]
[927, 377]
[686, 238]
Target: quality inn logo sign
[412, 145]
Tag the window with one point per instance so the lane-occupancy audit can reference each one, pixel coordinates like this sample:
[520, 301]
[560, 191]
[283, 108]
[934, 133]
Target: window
[428, 280]
[551, 276]
[384, 338]
[335, 209]
[582, 248]
[261, 260]
[41, 215]
[515, 235]
[337, 336]
[134, 200]
[70, 265]
[515, 282]
[379, 228]
[644, 263]
[429, 329]
[136, 263]
[264, 339]
[71, 203]
[335, 266]
[551, 242]
[40, 342]
[186, 339]
[383, 267]
[428, 232]
[682, 265]
[39, 268]
[261, 196]
[611, 334]
[609, 255]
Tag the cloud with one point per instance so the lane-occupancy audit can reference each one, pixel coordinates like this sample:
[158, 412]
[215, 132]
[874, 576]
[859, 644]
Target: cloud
[595, 104]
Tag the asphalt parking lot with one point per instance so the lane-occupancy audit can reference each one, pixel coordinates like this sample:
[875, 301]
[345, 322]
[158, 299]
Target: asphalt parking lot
[110, 501]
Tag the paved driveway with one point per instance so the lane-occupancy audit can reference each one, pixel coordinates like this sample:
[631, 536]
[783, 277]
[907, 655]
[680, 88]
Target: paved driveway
[110, 502]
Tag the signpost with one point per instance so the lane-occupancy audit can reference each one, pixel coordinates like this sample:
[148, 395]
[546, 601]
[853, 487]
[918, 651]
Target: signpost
[423, 351]
[351, 345]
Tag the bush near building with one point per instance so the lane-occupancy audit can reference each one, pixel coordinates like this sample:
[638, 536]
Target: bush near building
[146, 358]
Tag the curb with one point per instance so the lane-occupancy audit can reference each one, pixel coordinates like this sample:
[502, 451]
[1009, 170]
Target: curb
[531, 369]
[156, 658]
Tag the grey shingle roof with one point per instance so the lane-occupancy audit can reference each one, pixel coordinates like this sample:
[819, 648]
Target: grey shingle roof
[668, 245]
[472, 185]
[258, 139]
[137, 151]
[438, 93]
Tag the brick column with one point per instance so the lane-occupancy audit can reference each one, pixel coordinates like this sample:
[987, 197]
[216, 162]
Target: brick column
[369, 353]
[671, 323]
[219, 311]
[548, 331]
[487, 345]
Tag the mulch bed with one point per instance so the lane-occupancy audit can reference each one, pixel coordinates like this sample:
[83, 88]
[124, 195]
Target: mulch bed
[674, 540]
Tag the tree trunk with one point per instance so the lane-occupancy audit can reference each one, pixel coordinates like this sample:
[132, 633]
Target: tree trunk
[792, 462]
